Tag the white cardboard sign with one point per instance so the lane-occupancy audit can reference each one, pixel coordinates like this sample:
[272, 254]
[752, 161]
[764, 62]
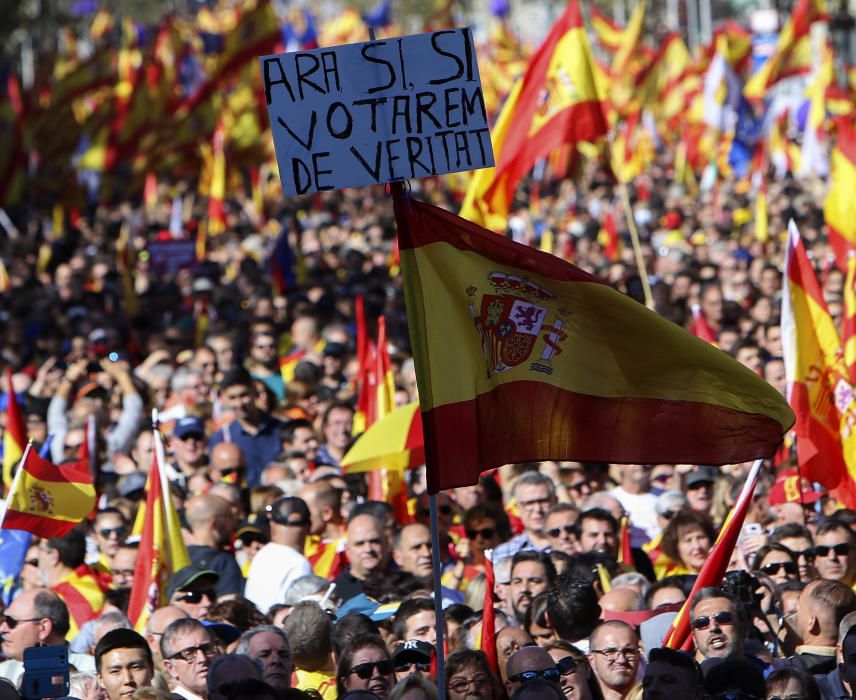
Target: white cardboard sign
[377, 111]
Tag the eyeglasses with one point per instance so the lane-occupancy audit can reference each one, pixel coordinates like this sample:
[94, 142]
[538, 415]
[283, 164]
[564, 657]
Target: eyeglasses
[460, 685]
[442, 510]
[120, 532]
[667, 514]
[548, 674]
[567, 529]
[194, 597]
[366, 670]
[32, 562]
[188, 655]
[122, 572]
[12, 623]
[840, 550]
[536, 503]
[773, 568]
[721, 618]
[808, 554]
[567, 666]
[612, 654]
[579, 486]
[193, 436]
[486, 533]
[265, 346]
[404, 668]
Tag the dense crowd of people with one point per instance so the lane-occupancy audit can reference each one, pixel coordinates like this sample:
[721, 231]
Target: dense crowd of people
[300, 585]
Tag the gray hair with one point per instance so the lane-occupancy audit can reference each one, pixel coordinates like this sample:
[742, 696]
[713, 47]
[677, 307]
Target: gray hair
[181, 377]
[468, 637]
[48, 604]
[244, 642]
[178, 627]
[633, 579]
[80, 683]
[308, 585]
[534, 478]
[670, 501]
[502, 570]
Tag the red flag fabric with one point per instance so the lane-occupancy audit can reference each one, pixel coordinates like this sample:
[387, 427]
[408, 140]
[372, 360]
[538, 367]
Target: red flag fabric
[488, 630]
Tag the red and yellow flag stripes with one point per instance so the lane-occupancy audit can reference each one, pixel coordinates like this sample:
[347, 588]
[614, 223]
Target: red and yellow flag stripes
[521, 356]
[839, 210]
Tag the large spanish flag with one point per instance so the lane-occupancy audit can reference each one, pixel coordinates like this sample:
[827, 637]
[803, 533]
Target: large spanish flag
[839, 210]
[555, 104]
[818, 388]
[46, 499]
[792, 55]
[162, 551]
[521, 356]
[15, 434]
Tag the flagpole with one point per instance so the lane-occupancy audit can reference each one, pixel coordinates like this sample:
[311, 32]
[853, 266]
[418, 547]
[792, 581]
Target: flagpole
[160, 457]
[15, 481]
[438, 596]
[637, 248]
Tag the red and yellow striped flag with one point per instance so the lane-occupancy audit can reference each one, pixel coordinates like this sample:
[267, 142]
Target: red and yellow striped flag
[15, 433]
[848, 320]
[521, 356]
[83, 596]
[162, 551]
[714, 568]
[555, 104]
[46, 499]
[839, 210]
[609, 34]
[818, 388]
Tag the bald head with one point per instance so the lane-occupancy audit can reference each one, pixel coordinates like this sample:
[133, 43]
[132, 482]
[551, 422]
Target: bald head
[226, 463]
[622, 599]
[200, 511]
[527, 659]
[611, 626]
[158, 622]
[325, 503]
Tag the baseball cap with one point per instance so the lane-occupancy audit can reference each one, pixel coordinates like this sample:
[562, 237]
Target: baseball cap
[132, 483]
[283, 509]
[188, 575]
[254, 527]
[790, 488]
[225, 632]
[191, 425]
[413, 651]
[702, 475]
[334, 350]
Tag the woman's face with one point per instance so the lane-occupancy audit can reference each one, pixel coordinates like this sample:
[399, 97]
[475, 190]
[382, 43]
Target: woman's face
[482, 535]
[366, 675]
[693, 547]
[790, 689]
[573, 681]
[469, 683]
[779, 567]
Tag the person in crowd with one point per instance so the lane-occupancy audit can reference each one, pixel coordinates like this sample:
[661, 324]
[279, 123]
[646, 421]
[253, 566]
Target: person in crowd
[309, 630]
[534, 493]
[719, 623]
[561, 528]
[228, 669]
[527, 665]
[798, 539]
[212, 523]
[614, 657]
[822, 606]
[834, 552]
[336, 426]
[469, 677]
[672, 673]
[123, 662]
[686, 541]
[792, 683]
[365, 665]
[269, 646]
[531, 573]
[188, 649]
[576, 677]
[777, 562]
[193, 590]
[369, 553]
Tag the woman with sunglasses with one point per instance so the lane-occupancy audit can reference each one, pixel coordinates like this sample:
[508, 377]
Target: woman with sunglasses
[576, 673]
[778, 562]
[485, 526]
[366, 665]
[468, 677]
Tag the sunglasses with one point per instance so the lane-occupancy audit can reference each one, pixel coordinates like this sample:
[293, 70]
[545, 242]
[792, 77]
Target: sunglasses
[567, 666]
[12, 623]
[194, 597]
[208, 650]
[548, 674]
[404, 668]
[366, 670]
[567, 529]
[442, 510]
[668, 514]
[721, 618]
[808, 554]
[823, 550]
[579, 486]
[486, 533]
[32, 562]
[120, 532]
[774, 568]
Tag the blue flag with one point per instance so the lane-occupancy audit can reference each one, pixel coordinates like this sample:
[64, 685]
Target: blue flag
[13, 551]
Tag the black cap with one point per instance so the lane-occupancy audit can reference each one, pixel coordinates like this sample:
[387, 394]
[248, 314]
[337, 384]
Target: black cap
[283, 510]
[734, 674]
[702, 475]
[413, 651]
[188, 575]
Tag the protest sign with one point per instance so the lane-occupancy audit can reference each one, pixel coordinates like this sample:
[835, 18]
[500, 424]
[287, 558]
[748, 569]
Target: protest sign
[378, 111]
[168, 257]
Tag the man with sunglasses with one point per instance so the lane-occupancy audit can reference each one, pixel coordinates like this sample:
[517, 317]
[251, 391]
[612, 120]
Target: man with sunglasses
[188, 450]
[193, 590]
[719, 624]
[280, 562]
[561, 529]
[188, 649]
[529, 663]
[834, 555]
[614, 658]
[412, 657]
[822, 606]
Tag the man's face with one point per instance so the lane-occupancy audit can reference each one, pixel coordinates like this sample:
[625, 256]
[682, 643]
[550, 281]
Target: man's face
[560, 529]
[338, 428]
[832, 556]
[614, 657]
[305, 441]
[528, 579]
[533, 501]
[421, 626]
[238, 399]
[144, 449]
[414, 552]
[200, 649]
[123, 671]
[264, 350]
[468, 496]
[636, 475]
[19, 630]
[122, 567]
[700, 496]
[110, 533]
[189, 449]
[804, 552]
[274, 653]
[367, 547]
[597, 536]
[716, 628]
[196, 598]
[663, 681]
